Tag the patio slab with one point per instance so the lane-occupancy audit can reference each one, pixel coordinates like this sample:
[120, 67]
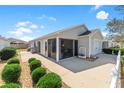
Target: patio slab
[99, 76]
[76, 64]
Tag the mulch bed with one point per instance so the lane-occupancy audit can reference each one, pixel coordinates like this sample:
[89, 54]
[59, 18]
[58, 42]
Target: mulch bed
[2, 64]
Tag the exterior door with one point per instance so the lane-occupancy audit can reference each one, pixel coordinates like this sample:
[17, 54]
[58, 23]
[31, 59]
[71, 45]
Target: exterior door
[39, 46]
[66, 48]
[76, 48]
[52, 48]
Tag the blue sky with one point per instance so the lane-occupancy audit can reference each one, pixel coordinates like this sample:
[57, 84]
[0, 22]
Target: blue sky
[29, 22]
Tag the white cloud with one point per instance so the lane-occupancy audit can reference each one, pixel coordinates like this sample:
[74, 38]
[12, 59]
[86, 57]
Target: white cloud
[96, 7]
[52, 18]
[42, 26]
[102, 15]
[20, 31]
[47, 17]
[24, 30]
[26, 38]
[16, 33]
[23, 23]
[34, 26]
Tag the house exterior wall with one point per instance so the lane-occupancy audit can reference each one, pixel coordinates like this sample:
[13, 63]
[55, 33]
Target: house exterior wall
[67, 34]
[4, 43]
[87, 41]
[96, 42]
[83, 42]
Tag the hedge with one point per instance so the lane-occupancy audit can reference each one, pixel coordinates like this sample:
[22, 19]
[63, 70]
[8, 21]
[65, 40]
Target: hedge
[31, 59]
[38, 73]
[11, 73]
[107, 50]
[34, 64]
[50, 80]
[13, 61]
[7, 53]
[11, 85]
[115, 50]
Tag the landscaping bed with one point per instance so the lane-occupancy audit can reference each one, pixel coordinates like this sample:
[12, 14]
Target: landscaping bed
[16, 74]
[41, 78]
[10, 73]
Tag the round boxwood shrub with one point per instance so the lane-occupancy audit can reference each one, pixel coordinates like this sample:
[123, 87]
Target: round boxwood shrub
[50, 80]
[7, 53]
[34, 64]
[11, 85]
[31, 59]
[38, 73]
[11, 73]
[13, 61]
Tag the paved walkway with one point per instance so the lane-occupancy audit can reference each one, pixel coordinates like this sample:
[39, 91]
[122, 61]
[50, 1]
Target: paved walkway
[96, 77]
[25, 77]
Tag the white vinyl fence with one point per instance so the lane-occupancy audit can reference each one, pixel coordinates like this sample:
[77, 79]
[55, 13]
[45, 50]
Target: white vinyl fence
[116, 72]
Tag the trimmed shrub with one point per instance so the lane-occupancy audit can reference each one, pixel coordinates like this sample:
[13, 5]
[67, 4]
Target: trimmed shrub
[11, 73]
[34, 64]
[50, 80]
[13, 61]
[31, 59]
[122, 51]
[122, 60]
[107, 50]
[38, 73]
[7, 53]
[115, 50]
[11, 85]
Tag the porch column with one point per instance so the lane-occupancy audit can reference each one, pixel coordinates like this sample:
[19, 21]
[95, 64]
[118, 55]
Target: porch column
[73, 47]
[57, 49]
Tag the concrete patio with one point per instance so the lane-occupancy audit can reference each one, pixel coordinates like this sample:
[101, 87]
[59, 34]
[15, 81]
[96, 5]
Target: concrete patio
[76, 64]
[97, 74]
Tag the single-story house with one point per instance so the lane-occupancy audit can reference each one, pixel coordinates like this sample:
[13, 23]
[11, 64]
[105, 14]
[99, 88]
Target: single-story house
[110, 43]
[4, 42]
[18, 43]
[69, 42]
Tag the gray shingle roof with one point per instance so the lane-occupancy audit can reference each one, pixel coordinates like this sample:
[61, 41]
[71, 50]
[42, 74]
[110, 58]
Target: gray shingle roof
[85, 33]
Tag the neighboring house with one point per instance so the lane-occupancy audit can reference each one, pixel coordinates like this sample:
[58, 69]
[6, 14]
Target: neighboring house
[18, 43]
[110, 43]
[4, 42]
[69, 42]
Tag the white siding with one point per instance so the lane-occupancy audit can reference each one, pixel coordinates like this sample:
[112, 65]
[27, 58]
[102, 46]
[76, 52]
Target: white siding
[84, 42]
[96, 39]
